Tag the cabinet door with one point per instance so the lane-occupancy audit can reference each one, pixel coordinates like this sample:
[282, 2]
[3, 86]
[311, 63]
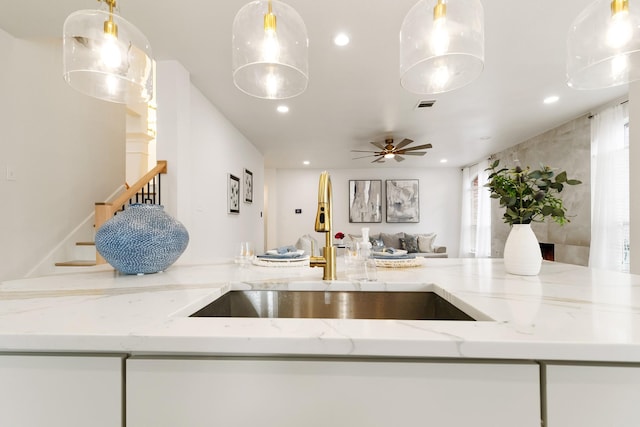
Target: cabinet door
[60, 391]
[593, 396]
[321, 393]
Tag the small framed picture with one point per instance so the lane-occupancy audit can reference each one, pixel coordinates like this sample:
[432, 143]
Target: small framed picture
[248, 186]
[233, 194]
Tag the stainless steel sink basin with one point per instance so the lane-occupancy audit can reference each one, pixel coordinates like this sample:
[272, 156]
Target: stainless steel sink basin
[333, 305]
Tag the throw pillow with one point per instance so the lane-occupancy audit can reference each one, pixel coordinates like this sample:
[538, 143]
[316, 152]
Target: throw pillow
[409, 243]
[377, 244]
[426, 242]
[352, 239]
[309, 244]
[391, 240]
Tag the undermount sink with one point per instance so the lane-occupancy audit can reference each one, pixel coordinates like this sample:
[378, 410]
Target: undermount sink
[333, 305]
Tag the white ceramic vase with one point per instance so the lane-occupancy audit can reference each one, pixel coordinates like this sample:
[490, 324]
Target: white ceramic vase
[522, 254]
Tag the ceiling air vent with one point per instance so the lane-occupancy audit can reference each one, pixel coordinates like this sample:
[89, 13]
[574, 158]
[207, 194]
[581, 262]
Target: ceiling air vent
[425, 104]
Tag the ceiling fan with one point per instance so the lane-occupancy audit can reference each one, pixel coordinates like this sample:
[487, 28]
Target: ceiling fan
[390, 151]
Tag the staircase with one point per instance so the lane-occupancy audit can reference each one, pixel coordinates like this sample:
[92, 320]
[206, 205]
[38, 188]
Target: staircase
[145, 190]
[86, 252]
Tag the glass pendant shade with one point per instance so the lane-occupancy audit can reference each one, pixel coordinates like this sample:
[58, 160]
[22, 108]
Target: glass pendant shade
[106, 57]
[441, 45]
[603, 45]
[270, 50]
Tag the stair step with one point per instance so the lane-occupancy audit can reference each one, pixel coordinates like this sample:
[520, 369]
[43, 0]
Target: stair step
[76, 263]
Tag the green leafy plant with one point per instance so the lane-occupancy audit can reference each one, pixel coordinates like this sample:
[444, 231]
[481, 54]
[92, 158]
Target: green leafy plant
[529, 195]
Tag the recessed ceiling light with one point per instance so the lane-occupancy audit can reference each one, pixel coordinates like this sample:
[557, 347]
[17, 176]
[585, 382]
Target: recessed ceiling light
[341, 39]
[551, 99]
[306, 163]
[283, 109]
[443, 160]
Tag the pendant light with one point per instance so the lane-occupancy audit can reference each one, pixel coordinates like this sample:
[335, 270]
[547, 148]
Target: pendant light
[441, 45]
[107, 57]
[603, 46]
[270, 50]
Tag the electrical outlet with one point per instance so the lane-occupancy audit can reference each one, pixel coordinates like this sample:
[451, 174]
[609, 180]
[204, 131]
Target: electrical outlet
[11, 174]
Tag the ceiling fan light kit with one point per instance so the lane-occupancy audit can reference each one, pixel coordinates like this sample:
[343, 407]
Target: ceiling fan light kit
[270, 50]
[107, 57]
[441, 45]
[603, 45]
[388, 150]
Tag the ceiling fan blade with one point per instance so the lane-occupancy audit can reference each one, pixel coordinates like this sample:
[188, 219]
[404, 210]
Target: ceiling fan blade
[364, 157]
[412, 153]
[379, 160]
[403, 143]
[363, 151]
[418, 147]
[380, 145]
[398, 158]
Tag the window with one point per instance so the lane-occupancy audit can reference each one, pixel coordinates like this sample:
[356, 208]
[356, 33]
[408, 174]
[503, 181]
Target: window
[610, 189]
[475, 229]
[473, 196]
[625, 207]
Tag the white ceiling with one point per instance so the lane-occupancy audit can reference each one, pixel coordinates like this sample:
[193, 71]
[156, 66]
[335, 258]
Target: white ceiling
[354, 95]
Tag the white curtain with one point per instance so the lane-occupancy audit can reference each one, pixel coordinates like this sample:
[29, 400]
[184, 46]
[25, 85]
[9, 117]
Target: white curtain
[609, 189]
[475, 223]
[483, 230]
[466, 232]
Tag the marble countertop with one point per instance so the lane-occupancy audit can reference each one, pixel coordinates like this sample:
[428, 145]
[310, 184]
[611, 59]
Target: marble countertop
[565, 313]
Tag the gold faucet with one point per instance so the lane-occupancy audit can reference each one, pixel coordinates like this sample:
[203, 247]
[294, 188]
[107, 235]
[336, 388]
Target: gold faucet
[323, 225]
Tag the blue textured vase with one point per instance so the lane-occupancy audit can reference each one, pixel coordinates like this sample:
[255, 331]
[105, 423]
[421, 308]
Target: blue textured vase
[142, 239]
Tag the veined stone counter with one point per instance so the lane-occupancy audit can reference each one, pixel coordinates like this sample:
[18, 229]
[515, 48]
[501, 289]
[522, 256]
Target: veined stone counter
[566, 313]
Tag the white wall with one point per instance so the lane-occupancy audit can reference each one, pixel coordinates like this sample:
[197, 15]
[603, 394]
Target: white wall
[66, 150]
[202, 147]
[439, 203]
[634, 177]
[271, 208]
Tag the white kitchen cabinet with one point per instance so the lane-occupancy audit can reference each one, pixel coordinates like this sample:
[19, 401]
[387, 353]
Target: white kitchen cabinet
[61, 391]
[297, 392]
[593, 396]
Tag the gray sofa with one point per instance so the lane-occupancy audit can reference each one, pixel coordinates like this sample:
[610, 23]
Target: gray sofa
[422, 245]
[424, 242]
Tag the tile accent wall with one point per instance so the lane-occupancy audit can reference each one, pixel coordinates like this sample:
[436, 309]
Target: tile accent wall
[567, 147]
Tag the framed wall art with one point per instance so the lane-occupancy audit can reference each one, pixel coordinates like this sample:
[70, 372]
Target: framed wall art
[248, 186]
[365, 200]
[233, 194]
[403, 200]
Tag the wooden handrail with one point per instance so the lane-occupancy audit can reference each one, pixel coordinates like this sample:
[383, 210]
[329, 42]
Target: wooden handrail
[161, 167]
[105, 210]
